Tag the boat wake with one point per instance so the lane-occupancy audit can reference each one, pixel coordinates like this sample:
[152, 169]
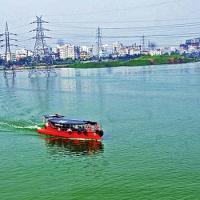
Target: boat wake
[20, 125]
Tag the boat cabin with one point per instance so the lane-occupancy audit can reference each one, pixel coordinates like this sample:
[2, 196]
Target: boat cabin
[61, 123]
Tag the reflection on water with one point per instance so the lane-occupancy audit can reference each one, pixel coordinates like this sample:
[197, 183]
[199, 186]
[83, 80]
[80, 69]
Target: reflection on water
[9, 78]
[48, 72]
[59, 146]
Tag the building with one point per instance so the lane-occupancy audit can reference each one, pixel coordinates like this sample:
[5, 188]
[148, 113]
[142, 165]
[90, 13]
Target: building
[134, 51]
[156, 52]
[169, 50]
[191, 46]
[86, 51]
[12, 58]
[68, 51]
[116, 47]
[23, 53]
[84, 55]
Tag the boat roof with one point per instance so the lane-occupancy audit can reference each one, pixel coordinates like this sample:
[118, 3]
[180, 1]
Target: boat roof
[53, 116]
[58, 119]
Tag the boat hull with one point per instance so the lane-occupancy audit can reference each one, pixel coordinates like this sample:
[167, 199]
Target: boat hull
[70, 135]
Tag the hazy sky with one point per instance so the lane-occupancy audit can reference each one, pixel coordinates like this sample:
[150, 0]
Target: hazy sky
[76, 21]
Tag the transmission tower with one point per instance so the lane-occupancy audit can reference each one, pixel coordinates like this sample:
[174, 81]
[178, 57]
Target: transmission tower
[99, 42]
[143, 43]
[41, 51]
[7, 45]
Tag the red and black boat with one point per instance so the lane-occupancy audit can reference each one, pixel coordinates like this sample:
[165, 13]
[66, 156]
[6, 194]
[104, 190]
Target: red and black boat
[59, 126]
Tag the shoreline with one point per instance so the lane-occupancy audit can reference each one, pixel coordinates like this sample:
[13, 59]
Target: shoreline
[138, 62]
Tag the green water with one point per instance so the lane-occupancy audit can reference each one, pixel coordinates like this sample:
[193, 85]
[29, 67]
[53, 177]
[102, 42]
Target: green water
[152, 135]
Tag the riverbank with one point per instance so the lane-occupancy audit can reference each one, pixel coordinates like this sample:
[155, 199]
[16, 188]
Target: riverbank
[141, 61]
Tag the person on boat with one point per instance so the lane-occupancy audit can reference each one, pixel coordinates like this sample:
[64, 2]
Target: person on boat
[46, 124]
[97, 127]
[69, 130]
[89, 128]
[79, 129]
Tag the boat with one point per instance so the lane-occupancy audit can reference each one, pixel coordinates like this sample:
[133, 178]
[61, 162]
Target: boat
[60, 126]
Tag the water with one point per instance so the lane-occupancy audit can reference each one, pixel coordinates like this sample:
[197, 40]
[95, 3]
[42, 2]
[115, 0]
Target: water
[151, 146]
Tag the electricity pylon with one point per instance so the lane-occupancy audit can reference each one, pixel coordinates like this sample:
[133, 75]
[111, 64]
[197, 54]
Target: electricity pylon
[41, 50]
[143, 43]
[99, 42]
[7, 45]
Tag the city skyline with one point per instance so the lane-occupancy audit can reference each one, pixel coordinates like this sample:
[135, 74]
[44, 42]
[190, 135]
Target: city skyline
[78, 26]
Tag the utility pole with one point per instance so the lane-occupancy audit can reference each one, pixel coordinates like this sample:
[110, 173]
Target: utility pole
[7, 45]
[41, 51]
[99, 42]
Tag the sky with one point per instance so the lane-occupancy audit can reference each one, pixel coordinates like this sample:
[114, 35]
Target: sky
[165, 22]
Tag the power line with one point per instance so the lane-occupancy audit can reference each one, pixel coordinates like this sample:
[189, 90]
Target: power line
[123, 21]
[163, 31]
[150, 5]
[135, 28]
[182, 25]
[155, 36]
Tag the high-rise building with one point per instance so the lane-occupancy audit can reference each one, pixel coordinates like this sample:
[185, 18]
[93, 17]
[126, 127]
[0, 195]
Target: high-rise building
[68, 51]
[88, 50]
[116, 47]
[23, 53]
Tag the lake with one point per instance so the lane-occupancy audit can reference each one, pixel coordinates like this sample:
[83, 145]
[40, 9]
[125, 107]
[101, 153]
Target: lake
[151, 146]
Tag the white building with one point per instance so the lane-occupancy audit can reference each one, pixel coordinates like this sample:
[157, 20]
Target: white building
[23, 53]
[156, 52]
[169, 50]
[134, 51]
[68, 51]
[192, 49]
[116, 47]
[9, 57]
[88, 50]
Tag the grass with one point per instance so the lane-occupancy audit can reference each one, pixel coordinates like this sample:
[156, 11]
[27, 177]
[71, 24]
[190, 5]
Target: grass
[141, 61]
